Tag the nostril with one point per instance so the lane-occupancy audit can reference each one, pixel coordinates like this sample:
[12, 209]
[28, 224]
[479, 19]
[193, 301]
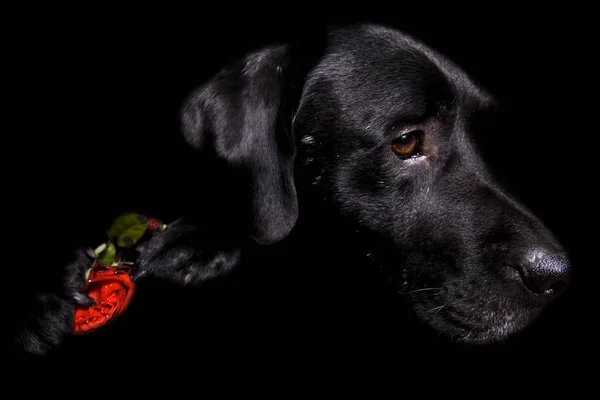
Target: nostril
[556, 287]
[545, 273]
[541, 283]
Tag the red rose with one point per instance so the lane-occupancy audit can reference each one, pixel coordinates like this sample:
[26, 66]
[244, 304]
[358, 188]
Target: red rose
[154, 225]
[112, 290]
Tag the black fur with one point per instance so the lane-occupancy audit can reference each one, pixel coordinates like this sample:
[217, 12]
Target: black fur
[306, 143]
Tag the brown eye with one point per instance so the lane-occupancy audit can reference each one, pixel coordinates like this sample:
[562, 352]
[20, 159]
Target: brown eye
[407, 144]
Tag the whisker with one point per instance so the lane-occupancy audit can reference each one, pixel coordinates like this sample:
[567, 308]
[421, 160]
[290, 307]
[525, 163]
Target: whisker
[421, 290]
[437, 309]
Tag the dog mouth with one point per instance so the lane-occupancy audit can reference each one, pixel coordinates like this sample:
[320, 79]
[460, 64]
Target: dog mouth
[464, 309]
[482, 325]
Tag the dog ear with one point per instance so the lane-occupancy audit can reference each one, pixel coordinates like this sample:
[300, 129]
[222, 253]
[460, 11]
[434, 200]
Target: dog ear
[242, 115]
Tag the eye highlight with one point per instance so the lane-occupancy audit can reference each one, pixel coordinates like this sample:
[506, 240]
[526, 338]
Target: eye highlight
[407, 144]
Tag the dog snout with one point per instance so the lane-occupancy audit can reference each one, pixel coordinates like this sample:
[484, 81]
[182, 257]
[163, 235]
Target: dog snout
[543, 272]
[543, 266]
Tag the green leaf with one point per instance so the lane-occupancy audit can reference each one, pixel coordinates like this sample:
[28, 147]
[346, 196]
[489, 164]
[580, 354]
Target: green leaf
[107, 256]
[128, 229]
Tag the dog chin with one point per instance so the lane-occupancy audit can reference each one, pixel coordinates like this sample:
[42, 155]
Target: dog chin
[486, 329]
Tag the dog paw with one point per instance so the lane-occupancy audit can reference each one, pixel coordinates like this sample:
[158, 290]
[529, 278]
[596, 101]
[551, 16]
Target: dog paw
[185, 255]
[75, 278]
[50, 319]
[50, 314]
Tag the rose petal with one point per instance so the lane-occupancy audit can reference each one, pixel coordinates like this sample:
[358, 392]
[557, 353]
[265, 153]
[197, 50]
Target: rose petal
[112, 289]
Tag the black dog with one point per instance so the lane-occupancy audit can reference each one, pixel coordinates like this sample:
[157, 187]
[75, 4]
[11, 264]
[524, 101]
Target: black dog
[370, 138]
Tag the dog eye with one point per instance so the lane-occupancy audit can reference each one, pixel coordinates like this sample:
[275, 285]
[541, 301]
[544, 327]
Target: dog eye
[407, 144]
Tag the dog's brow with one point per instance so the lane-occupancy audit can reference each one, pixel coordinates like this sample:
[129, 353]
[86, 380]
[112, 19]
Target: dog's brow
[407, 116]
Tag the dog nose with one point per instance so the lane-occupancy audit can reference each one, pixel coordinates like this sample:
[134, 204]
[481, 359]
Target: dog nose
[545, 273]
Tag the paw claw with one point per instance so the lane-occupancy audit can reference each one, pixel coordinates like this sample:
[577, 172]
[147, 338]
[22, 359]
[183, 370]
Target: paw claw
[138, 275]
[90, 253]
[83, 299]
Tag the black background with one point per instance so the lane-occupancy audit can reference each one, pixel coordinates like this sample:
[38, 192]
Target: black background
[98, 92]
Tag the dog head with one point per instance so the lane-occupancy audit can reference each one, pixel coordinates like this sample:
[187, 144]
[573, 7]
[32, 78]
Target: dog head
[385, 126]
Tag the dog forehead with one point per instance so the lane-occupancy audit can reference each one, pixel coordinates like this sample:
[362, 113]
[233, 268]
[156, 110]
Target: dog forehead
[462, 84]
[371, 72]
[371, 78]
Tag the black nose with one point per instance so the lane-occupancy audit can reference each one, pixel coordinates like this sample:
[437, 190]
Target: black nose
[545, 273]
